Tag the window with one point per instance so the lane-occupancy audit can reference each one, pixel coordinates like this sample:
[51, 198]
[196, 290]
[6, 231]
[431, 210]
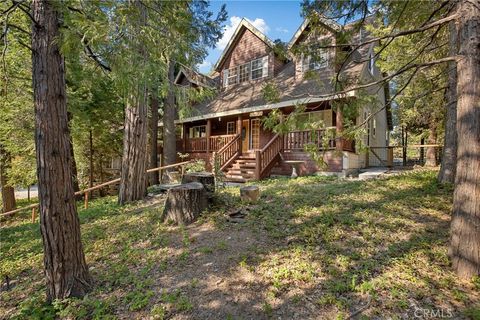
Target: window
[232, 76]
[316, 61]
[231, 127]
[314, 118]
[198, 132]
[371, 62]
[252, 70]
[244, 72]
[255, 133]
[374, 127]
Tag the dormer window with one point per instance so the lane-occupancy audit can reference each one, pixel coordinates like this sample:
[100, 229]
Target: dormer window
[252, 70]
[315, 62]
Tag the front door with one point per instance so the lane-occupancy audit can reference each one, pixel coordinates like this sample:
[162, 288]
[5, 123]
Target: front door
[245, 134]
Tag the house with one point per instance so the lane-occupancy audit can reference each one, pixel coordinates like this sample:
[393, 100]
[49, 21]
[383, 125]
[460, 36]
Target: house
[229, 125]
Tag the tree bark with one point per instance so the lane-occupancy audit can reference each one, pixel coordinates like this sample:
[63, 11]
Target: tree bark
[134, 160]
[65, 267]
[154, 176]
[449, 157]
[207, 179]
[169, 137]
[431, 154]
[8, 192]
[465, 226]
[185, 203]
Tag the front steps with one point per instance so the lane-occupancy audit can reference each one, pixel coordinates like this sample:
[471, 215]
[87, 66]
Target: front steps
[242, 169]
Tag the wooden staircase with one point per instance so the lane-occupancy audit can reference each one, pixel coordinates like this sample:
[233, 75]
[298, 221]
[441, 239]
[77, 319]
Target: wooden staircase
[241, 169]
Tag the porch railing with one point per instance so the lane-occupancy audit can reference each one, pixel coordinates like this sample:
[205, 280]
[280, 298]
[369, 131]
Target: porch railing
[200, 144]
[196, 145]
[228, 152]
[296, 140]
[268, 156]
[217, 142]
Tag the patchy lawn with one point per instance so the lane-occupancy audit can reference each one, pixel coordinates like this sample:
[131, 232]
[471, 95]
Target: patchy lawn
[313, 248]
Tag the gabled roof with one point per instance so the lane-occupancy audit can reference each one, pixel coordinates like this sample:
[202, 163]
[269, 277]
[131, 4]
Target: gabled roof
[326, 21]
[195, 77]
[244, 24]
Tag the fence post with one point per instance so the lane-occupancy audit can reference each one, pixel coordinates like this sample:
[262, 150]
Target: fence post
[86, 200]
[390, 157]
[33, 215]
[258, 164]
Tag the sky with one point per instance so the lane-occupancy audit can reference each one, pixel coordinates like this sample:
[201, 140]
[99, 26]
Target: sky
[277, 19]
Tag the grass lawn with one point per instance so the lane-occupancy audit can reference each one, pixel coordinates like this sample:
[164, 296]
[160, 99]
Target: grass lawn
[313, 248]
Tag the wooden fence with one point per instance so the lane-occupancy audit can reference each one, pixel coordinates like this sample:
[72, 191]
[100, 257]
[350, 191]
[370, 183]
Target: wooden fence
[87, 191]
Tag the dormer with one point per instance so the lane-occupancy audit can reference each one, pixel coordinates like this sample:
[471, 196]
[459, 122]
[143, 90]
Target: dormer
[323, 59]
[248, 57]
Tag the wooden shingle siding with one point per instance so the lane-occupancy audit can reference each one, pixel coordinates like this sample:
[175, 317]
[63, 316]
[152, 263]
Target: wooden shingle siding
[247, 48]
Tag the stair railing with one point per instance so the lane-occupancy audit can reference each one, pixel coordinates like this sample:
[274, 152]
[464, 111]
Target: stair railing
[268, 156]
[228, 153]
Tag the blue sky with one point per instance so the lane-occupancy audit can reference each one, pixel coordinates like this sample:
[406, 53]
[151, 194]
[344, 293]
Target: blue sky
[277, 19]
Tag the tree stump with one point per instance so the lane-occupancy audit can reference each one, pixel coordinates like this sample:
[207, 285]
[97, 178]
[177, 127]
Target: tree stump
[184, 203]
[207, 179]
[249, 193]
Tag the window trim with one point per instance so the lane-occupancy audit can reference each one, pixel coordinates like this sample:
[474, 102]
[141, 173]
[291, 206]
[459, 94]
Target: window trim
[234, 127]
[263, 66]
[307, 62]
[191, 132]
[371, 62]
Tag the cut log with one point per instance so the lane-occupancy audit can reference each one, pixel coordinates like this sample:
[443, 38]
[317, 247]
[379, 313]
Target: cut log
[250, 193]
[205, 178]
[185, 203]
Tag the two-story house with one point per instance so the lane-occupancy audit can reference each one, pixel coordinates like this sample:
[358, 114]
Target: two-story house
[229, 126]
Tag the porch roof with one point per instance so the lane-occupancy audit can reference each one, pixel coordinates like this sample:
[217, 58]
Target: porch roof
[249, 97]
[264, 107]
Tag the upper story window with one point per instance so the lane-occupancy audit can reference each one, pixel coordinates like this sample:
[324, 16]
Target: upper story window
[252, 70]
[315, 62]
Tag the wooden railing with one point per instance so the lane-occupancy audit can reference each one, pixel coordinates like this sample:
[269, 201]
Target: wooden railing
[296, 140]
[217, 142]
[87, 191]
[228, 152]
[196, 145]
[266, 157]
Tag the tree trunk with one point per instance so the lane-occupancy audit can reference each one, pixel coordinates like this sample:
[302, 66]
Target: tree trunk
[422, 151]
[134, 160]
[465, 228]
[404, 144]
[207, 179]
[154, 137]
[185, 203]
[65, 267]
[431, 154]
[8, 192]
[76, 186]
[449, 157]
[169, 138]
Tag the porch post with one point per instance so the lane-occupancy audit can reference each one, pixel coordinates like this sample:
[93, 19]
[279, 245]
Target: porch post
[239, 131]
[208, 132]
[184, 140]
[339, 130]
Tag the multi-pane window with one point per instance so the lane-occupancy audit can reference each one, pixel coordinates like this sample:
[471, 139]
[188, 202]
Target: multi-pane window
[198, 132]
[252, 70]
[244, 72]
[231, 128]
[257, 69]
[316, 61]
[255, 133]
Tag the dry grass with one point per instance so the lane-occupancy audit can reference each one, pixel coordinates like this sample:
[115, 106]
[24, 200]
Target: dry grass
[313, 248]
